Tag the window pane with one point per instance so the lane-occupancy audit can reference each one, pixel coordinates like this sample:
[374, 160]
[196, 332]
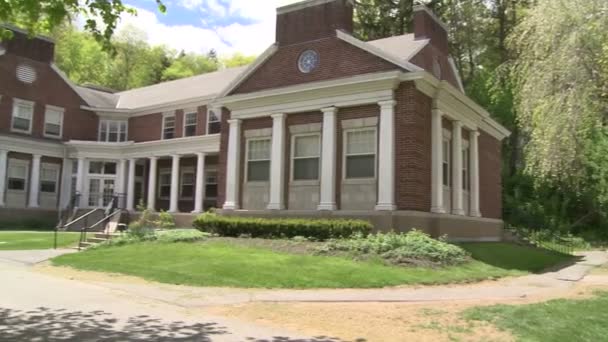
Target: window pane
[16, 184]
[190, 119]
[46, 186]
[259, 149]
[446, 174]
[109, 168]
[211, 190]
[213, 116]
[190, 131]
[307, 146]
[214, 127]
[169, 131]
[361, 142]
[95, 167]
[165, 191]
[306, 169]
[360, 166]
[103, 131]
[48, 174]
[24, 111]
[52, 129]
[21, 124]
[258, 171]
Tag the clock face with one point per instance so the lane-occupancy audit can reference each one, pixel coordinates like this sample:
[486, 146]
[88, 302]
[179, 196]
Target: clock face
[308, 61]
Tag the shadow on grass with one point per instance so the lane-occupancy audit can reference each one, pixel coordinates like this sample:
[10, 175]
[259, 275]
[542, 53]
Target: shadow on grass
[512, 256]
[44, 324]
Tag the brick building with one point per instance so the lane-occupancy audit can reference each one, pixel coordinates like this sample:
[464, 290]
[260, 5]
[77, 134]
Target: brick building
[322, 124]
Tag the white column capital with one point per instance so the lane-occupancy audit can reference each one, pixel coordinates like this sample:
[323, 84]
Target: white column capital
[329, 110]
[473, 134]
[3, 153]
[278, 116]
[153, 158]
[457, 124]
[234, 122]
[387, 103]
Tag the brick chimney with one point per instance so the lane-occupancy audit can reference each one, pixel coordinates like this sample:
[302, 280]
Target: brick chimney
[37, 48]
[313, 19]
[428, 26]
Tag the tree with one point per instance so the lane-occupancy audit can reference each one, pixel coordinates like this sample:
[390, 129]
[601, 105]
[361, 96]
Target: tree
[237, 59]
[190, 64]
[44, 16]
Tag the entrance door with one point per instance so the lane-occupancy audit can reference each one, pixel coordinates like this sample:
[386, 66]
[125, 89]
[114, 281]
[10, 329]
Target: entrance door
[101, 191]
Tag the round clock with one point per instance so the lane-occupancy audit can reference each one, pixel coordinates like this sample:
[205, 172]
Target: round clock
[308, 61]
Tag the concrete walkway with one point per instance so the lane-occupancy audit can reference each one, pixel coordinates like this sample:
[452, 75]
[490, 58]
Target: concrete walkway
[39, 307]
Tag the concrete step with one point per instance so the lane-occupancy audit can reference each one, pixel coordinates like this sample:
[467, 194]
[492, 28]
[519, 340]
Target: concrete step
[96, 240]
[106, 236]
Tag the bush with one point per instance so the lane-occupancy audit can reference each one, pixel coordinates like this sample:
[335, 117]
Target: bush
[180, 235]
[412, 248]
[165, 220]
[280, 228]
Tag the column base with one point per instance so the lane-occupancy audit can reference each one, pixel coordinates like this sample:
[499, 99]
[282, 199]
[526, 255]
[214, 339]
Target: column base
[475, 214]
[275, 206]
[327, 206]
[385, 207]
[459, 212]
[33, 206]
[438, 210]
[196, 212]
[230, 206]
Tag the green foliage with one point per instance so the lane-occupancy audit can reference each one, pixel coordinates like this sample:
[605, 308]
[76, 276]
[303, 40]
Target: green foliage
[237, 59]
[26, 223]
[180, 235]
[165, 220]
[30, 240]
[42, 16]
[412, 248]
[187, 65]
[280, 228]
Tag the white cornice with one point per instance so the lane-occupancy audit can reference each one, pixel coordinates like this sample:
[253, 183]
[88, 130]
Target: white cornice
[376, 51]
[28, 145]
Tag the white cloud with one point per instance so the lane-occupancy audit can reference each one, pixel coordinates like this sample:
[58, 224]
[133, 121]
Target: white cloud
[251, 38]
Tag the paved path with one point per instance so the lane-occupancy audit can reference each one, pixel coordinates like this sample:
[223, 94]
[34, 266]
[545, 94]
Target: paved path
[38, 307]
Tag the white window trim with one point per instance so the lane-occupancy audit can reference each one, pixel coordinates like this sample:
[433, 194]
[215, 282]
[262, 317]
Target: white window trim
[447, 136]
[186, 113]
[210, 169]
[208, 122]
[162, 172]
[61, 111]
[293, 158]
[183, 171]
[18, 162]
[344, 154]
[162, 130]
[17, 102]
[465, 166]
[107, 137]
[55, 167]
[246, 168]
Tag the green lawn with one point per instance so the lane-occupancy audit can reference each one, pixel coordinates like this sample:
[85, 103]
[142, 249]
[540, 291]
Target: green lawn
[223, 264]
[555, 320]
[26, 240]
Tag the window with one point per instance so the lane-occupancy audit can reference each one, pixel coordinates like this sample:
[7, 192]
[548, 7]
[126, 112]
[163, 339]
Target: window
[53, 122]
[164, 184]
[168, 127]
[211, 184]
[306, 152]
[113, 131]
[258, 160]
[17, 173]
[187, 186]
[102, 168]
[190, 124]
[214, 118]
[465, 168]
[360, 153]
[447, 158]
[49, 175]
[23, 111]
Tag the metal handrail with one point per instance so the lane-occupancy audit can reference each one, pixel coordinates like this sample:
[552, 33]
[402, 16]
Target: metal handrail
[110, 210]
[117, 211]
[85, 216]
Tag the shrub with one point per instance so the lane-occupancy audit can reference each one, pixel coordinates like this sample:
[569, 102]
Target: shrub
[280, 228]
[165, 220]
[180, 235]
[413, 248]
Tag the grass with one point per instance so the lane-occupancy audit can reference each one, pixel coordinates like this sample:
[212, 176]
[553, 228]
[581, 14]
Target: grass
[218, 263]
[555, 320]
[27, 240]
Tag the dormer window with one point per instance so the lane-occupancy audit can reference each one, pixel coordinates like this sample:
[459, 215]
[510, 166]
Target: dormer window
[113, 131]
[214, 118]
[53, 122]
[190, 118]
[168, 126]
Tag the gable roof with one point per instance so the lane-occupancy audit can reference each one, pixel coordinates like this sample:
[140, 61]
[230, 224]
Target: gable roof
[404, 47]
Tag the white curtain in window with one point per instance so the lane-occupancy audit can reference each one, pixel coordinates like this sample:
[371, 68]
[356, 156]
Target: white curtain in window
[361, 142]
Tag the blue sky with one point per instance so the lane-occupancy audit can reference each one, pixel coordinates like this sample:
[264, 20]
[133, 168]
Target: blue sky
[227, 26]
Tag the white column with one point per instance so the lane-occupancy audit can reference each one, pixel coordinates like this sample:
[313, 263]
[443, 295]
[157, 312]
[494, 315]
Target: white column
[474, 167]
[233, 165]
[328, 160]
[66, 183]
[35, 182]
[80, 172]
[174, 204]
[121, 186]
[199, 195]
[152, 183]
[3, 170]
[131, 186]
[386, 157]
[437, 162]
[457, 207]
[277, 163]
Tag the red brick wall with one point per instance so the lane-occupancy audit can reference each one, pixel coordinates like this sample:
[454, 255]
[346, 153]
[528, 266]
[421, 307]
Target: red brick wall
[145, 127]
[337, 59]
[348, 114]
[490, 180]
[314, 22]
[201, 121]
[424, 59]
[40, 50]
[413, 149]
[48, 89]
